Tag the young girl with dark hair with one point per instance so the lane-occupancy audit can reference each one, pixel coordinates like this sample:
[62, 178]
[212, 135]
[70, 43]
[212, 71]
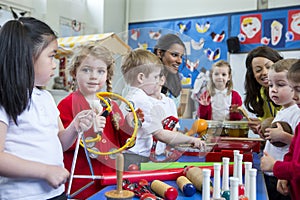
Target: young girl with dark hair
[32, 137]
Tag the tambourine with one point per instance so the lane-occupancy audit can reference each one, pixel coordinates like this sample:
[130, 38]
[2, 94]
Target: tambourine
[130, 141]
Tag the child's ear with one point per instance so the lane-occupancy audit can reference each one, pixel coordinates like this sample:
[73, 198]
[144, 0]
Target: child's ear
[163, 80]
[140, 77]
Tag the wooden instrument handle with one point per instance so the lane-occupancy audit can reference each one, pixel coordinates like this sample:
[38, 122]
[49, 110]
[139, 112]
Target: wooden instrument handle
[242, 139]
[119, 170]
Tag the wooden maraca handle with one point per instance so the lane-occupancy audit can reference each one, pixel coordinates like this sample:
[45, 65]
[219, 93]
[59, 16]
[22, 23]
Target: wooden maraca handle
[243, 112]
[119, 170]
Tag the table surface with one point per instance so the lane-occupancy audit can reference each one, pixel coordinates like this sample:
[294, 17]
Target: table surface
[261, 192]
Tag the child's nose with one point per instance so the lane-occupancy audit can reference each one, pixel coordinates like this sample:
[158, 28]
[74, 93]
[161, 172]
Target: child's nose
[296, 97]
[94, 74]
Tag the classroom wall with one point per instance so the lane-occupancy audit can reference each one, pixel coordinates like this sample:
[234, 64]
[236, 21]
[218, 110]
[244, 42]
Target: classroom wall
[103, 16]
[150, 10]
[99, 16]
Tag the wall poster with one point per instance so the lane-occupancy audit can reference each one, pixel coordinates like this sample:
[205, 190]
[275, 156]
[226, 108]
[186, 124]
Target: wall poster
[204, 38]
[278, 28]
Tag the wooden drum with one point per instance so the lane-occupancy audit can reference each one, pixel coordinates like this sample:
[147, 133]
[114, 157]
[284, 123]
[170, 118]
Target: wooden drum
[235, 128]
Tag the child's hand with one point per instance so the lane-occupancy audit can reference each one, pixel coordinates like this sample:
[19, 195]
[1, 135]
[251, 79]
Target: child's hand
[267, 162]
[283, 187]
[204, 99]
[274, 134]
[56, 175]
[198, 143]
[83, 121]
[99, 123]
[234, 108]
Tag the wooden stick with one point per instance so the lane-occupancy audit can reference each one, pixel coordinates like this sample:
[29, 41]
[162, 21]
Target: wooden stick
[243, 112]
[190, 145]
[119, 171]
[242, 139]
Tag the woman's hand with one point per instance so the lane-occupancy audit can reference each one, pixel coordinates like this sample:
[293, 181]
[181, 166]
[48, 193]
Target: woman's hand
[255, 125]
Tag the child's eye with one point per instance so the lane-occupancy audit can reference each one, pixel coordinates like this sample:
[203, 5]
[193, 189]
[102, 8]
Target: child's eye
[101, 71]
[85, 69]
[297, 89]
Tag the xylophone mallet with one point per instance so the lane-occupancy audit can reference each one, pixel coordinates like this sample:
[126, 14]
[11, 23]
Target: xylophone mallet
[164, 190]
[186, 186]
[119, 193]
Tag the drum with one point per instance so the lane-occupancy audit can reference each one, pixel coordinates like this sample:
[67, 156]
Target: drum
[235, 128]
[213, 127]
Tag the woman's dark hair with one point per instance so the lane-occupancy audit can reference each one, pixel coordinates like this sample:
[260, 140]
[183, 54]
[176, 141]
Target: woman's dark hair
[253, 101]
[22, 41]
[166, 41]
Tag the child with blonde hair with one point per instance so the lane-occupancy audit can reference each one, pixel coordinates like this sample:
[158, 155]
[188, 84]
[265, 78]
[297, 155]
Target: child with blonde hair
[142, 70]
[220, 101]
[282, 94]
[91, 68]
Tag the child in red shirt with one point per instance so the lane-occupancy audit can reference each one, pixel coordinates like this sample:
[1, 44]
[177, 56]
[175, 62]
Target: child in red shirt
[220, 101]
[92, 69]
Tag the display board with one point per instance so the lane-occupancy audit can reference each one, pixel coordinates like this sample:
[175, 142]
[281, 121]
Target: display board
[206, 37]
[278, 29]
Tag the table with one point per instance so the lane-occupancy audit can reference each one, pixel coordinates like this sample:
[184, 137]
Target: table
[261, 192]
